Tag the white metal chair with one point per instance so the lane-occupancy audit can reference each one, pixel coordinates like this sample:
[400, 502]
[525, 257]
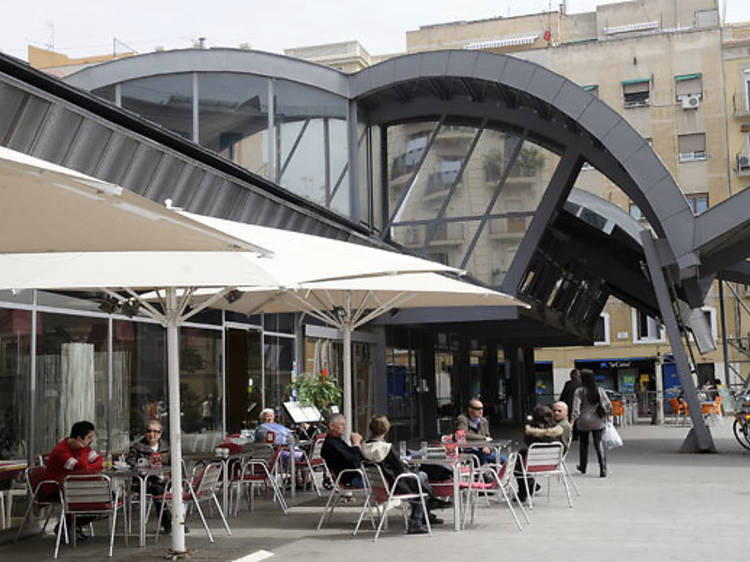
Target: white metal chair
[341, 490]
[259, 469]
[386, 497]
[545, 460]
[315, 463]
[91, 494]
[202, 488]
[501, 481]
[572, 481]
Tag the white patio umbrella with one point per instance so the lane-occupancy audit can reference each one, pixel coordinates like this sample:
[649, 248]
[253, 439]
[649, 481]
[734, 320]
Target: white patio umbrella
[48, 208]
[348, 304]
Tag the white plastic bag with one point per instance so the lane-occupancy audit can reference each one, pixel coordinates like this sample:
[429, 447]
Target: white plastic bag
[610, 437]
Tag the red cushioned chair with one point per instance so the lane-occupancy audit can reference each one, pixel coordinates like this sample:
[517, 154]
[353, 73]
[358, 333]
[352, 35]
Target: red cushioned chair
[43, 494]
[259, 470]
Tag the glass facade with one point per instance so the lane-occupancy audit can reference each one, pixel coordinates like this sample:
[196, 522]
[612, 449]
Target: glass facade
[166, 99]
[122, 385]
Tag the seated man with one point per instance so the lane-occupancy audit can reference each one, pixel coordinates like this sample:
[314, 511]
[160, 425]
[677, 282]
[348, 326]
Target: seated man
[340, 456]
[152, 450]
[73, 455]
[379, 451]
[560, 415]
[477, 430]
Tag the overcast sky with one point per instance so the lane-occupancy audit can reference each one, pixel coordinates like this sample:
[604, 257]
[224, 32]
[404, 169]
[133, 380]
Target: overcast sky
[84, 27]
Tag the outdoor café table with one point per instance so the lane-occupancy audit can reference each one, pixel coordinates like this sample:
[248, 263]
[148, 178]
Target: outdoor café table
[454, 465]
[9, 470]
[142, 474]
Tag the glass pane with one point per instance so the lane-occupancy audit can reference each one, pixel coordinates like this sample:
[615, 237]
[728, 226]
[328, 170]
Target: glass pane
[363, 180]
[283, 323]
[339, 159]
[243, 379]
[437, 174]
[71, 378]
[139, 380]
[304, 117]
[15, 373]
[377, 185]
[166, 100]
[527, 179]
[233, 118]
[200, 384]
[278, 354]
[452, 239]
[406, 145]
[105, 92]
[482, 175]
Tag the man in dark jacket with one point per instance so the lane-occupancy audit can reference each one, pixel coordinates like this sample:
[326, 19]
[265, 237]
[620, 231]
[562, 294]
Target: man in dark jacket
[340, 456]
[569, 389]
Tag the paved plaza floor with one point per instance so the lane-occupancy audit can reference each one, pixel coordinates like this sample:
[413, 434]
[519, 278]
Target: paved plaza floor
[657, 505]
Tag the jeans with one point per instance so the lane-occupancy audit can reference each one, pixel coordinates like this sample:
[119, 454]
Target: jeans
[583, 437]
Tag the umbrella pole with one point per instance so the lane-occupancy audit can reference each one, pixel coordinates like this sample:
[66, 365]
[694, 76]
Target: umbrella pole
[347, 329]
[175, 429]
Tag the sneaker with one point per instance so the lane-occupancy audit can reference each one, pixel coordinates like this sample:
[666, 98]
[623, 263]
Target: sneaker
[537, 487]
[434, 519]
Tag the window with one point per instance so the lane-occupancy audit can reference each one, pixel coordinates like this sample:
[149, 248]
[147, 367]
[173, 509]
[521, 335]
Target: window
[635, 212]
[698, 202]
[646, 329]
[636, 92]
[601, 330]
[747, 89]
[688, 85]
[692, 147]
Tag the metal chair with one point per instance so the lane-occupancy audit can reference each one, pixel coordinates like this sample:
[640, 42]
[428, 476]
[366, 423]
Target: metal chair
[341, 490]
[43, 494]
[385, 497]
[501, 481]
[259, 469]
[91, 494]
[545, 459]
[315, 462]
[199, 489]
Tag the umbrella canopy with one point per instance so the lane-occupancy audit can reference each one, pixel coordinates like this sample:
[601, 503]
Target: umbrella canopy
[299, 256]
[48, 208]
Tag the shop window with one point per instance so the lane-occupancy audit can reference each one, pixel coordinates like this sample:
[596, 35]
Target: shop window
[646, 329]
[601, 330]
[636, 93]
[698, 202]
[692, 147]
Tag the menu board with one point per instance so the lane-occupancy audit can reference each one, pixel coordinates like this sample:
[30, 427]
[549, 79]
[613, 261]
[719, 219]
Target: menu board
[302, 414]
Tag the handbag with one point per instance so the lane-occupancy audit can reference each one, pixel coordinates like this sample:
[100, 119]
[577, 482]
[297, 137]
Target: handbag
[611, 437]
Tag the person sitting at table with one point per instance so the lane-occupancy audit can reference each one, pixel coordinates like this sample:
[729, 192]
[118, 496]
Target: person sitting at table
[541, 429]
[281, 435]
[73, 455]
[379, 451]
[339, 455]
[151, 450]
[477, 430]
[560, 416]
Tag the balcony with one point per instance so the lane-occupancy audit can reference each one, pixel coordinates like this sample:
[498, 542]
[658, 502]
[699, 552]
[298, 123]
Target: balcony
[740, 109]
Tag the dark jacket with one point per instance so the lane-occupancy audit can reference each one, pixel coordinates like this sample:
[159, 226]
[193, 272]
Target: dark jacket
[340, 456]
[381, 453]
[567, 395]
[141, 449]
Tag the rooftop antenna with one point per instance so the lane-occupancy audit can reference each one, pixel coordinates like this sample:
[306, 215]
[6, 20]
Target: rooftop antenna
[50, 25]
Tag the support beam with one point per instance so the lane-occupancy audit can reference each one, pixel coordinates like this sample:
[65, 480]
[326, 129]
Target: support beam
[699, 438]
[553, 198]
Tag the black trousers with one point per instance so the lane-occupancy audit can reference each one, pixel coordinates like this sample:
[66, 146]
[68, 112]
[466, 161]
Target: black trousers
[583, 450]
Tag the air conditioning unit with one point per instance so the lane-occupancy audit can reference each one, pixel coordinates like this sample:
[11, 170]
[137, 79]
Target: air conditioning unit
[691, 101]
[743, 162]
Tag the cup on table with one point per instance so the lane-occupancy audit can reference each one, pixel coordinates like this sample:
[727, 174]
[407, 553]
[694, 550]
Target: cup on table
[402, 448]
[451, 450]
[156, 460]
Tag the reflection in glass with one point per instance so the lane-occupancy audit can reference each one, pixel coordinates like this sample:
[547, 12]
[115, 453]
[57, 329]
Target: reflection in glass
[166, 100]
[71, 377]
[139, 384]
[15, 345]
[105, 92]
[312, 141]
[243, 379]
[527, 179]
[200, 381]
[278, 354]
[233, 118]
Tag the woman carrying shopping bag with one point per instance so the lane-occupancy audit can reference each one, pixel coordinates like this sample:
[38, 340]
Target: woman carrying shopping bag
[591, 407]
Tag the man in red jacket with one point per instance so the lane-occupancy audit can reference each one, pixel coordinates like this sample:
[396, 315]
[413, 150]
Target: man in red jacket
[74, 455]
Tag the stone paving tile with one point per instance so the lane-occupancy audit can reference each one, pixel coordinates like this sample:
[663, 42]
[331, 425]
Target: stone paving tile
[658, 505]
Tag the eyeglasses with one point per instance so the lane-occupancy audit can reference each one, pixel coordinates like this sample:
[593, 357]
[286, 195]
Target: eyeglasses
[153, 431]
[475, 408]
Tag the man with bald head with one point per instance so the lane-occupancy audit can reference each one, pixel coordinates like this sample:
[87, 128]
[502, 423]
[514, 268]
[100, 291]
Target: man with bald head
[560, 415]
[477, 430]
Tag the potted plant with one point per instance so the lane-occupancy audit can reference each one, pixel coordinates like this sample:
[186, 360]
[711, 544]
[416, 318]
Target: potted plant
[319, 390]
